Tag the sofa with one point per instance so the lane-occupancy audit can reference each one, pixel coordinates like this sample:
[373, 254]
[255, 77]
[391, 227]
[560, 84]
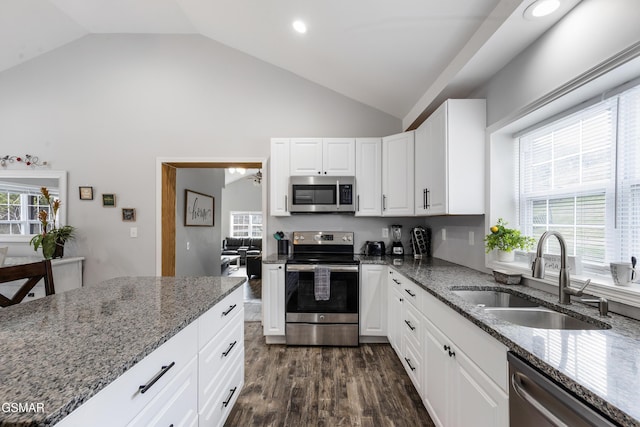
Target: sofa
[242, 246]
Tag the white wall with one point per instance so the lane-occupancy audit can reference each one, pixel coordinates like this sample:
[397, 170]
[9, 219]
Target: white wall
[239, 196]
[203, 256]
[591, 33]
[106, 106]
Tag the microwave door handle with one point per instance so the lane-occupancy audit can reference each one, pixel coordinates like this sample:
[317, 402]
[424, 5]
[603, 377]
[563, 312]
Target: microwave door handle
[338, 193]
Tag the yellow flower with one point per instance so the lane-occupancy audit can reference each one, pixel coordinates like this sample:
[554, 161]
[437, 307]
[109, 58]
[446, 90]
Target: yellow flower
[494, 229]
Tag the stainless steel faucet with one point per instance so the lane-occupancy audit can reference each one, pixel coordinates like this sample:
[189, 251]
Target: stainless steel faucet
[564, 281]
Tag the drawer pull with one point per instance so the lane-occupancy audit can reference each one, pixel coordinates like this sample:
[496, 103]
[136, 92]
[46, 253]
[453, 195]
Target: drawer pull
[413, 328]
[226, 353]
[397, 282]
[410, 293]
[226, 402]
[163, 370]
[409, 363]
[231, 307]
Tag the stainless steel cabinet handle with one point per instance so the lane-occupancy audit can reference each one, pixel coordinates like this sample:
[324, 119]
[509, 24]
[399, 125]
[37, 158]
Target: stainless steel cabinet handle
[384, 202]
[424, 198]
[522, 393]
[228, 399]
[226, 353]
[163, 370]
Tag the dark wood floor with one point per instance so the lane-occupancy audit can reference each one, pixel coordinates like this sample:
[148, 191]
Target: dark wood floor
[324, 386]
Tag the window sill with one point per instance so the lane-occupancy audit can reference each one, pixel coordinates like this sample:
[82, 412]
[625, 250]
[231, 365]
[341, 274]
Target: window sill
[600, 286]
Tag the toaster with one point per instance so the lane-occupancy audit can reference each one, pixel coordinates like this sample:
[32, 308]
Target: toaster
[374, 248]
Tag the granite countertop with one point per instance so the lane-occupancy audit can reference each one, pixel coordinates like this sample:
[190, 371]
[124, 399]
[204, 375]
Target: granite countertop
[601, 366]
[62, 349]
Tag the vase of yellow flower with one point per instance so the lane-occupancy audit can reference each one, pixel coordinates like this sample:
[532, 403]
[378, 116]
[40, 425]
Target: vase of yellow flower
[51, 238]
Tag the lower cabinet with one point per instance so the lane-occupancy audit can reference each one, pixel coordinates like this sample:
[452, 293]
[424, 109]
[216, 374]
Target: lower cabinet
[187, 381]
[373, 304]
[273, 300]
[458, 369]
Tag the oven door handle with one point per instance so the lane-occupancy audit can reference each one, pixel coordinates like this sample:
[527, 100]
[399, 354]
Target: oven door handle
[334, 268]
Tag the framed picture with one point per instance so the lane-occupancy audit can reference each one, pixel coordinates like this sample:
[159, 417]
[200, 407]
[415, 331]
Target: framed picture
[198, 209]
[128, 214]
[109, 200]
[86, 193]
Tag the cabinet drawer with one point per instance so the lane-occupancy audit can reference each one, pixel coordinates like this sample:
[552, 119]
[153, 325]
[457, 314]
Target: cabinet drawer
[215, 411]
[176, 404]
[216, 357]
[214, 320]
[124, 393]
[410, 291]
[412, 326]
[412, 361]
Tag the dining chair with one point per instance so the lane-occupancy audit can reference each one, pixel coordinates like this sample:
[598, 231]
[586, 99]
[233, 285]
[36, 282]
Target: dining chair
[31, 273]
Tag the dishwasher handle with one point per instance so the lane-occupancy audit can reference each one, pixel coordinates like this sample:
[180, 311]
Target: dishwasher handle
[523, 394]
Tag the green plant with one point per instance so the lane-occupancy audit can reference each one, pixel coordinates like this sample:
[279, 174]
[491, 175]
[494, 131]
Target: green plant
[51, 238]
[507, 239]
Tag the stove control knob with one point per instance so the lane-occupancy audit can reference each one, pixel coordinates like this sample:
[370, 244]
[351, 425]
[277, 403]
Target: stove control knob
[300, 237]
[316, 237]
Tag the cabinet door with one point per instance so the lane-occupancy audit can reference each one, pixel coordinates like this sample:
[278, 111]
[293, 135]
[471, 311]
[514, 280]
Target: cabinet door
[373, 300]
[339, 156]
[279, 177]
[306, 156]
[397, 174]
[437, 164]
[479, 401]
[368, 177]
[437, 385]
[273, 299]
[394, 314]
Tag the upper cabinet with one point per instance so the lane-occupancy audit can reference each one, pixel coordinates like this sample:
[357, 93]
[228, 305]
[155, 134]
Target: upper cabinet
[449, 160]
[279, 177]
[368, 176]
[323, 156]
[397, 174]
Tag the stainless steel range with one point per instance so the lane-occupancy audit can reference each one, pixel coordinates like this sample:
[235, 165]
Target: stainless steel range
[322, 290]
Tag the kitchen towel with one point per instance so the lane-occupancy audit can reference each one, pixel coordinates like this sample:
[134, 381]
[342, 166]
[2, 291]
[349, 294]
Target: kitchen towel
[322, 283]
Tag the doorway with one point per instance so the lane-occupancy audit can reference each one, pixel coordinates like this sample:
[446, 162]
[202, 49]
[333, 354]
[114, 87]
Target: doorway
[166, 217]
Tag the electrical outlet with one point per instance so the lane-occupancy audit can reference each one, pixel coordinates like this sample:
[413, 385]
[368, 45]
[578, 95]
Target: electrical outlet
[385, 232]
[444, 234]
[472, 238]
[133, 232]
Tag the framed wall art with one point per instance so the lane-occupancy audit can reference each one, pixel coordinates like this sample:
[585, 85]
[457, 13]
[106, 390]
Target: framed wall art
[128, 214]
[109, 200]
[198, 209]
[86, 193]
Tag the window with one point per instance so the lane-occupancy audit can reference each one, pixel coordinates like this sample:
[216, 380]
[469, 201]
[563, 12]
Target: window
[579, 176]
[19, 207]
[246, 224]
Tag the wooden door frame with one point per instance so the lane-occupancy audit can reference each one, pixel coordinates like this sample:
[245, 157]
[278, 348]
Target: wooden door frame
[166, 171]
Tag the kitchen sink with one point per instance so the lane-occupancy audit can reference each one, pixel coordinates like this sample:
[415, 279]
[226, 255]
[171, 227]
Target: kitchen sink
[521, 311]
[492, 298]
[543, 318]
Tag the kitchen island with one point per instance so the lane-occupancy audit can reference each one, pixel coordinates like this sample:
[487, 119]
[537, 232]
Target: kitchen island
[59, 351]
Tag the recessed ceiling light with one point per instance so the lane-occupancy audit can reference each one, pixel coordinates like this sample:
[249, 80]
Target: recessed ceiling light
[300, 26]
[541, 8]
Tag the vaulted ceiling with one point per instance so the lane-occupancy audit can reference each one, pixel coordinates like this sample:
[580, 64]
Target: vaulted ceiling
[399, 56]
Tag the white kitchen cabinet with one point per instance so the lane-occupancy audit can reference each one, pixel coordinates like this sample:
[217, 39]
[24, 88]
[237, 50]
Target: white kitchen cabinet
[373, 295]
[394, 314]
[397, 174]
[323, 156]
[279, 164]
[368, 177]
[273, 299]
[449, 159]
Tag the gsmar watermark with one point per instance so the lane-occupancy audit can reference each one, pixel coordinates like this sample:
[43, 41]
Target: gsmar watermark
[21, 407]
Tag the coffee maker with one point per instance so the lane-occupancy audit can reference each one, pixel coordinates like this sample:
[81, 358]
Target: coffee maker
[396, 245]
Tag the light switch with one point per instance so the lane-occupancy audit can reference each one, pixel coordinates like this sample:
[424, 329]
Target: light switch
[385, 232]
[133, 232]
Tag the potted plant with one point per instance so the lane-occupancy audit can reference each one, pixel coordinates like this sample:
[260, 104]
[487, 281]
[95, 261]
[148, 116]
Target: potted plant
[505, 240]
[51, 238]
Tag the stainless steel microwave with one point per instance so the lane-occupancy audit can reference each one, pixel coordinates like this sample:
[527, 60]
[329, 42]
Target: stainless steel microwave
[322, 194]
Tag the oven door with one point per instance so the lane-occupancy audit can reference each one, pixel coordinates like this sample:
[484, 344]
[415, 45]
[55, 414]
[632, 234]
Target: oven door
[301, 302]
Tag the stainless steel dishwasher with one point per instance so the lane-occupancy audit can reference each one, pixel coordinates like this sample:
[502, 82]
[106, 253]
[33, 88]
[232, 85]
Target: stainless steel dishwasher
[537, 401]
